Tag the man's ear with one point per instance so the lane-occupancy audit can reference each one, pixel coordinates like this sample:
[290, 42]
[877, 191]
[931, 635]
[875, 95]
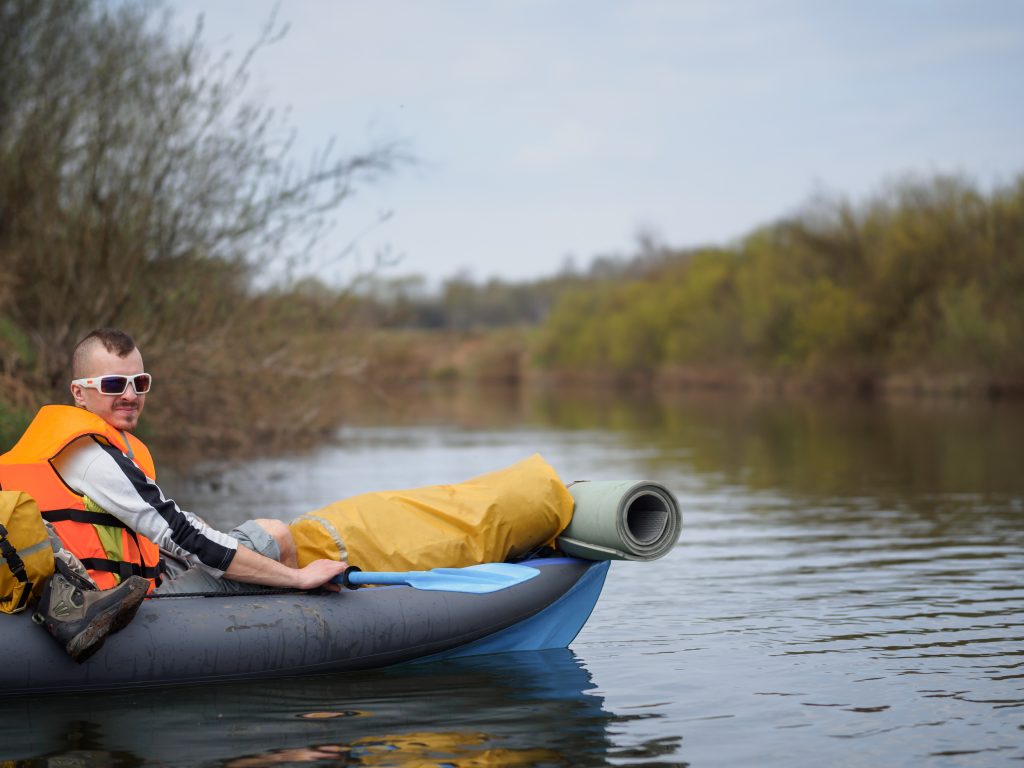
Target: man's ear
[78, 394]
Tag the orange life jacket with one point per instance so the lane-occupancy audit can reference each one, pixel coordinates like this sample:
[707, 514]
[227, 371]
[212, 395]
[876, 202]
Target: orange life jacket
[109, 549]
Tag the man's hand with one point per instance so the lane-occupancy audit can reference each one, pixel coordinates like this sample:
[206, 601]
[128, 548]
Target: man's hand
[319, 574]
[253, 568]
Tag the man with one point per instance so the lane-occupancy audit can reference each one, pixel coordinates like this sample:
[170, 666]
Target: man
[95, 483]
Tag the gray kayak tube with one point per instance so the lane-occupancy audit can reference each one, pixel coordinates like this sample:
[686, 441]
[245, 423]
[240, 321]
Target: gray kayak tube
[621, 520]
[195, 640]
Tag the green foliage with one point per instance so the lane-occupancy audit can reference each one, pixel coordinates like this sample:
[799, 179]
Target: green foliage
[699, 318]
[927, 275]
[13, 422]
[572, 333]
[15, 346]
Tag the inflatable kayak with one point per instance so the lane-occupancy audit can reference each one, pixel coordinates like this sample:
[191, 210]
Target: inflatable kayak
[193, 640]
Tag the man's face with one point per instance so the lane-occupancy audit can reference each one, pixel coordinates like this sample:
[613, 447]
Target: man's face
[120, 411]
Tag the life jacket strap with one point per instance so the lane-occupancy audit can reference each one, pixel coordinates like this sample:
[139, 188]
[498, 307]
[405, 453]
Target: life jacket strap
[123, 569]
[82, 516]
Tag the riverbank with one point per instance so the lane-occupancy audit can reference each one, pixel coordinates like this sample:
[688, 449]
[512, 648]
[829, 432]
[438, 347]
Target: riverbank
[507, 356]
[299, 408]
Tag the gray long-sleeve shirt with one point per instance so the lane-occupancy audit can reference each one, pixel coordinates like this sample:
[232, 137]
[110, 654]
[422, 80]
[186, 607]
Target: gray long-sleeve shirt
[113, 482]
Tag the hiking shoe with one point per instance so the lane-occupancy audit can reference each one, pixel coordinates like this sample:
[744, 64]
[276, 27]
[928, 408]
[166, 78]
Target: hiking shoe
[80, 618]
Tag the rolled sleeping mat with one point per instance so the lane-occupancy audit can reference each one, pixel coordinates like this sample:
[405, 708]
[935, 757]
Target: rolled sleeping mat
[621, 520]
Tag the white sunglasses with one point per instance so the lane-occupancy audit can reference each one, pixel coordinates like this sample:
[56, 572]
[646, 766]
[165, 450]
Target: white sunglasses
[117, 384]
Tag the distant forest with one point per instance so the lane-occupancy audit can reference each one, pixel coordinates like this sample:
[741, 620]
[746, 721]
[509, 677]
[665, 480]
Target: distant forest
[924, 278]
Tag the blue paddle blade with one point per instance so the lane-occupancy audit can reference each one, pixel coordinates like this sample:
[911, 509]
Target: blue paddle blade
[474, 579]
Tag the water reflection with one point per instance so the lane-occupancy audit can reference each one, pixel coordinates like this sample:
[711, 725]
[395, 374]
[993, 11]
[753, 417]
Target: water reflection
[945, 463]
[838, 447]
[507, 710]
[825, 448]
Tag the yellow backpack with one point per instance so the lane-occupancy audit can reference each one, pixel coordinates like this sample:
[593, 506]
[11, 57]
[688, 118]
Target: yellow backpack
[26, 556]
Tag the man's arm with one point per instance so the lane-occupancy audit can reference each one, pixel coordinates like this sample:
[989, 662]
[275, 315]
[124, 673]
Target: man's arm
[120, 488]
[254, 568]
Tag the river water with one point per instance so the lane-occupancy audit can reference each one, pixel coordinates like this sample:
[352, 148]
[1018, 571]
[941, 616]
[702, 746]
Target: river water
[848, 591]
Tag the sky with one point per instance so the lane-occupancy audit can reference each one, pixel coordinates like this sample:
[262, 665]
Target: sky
[544, 131]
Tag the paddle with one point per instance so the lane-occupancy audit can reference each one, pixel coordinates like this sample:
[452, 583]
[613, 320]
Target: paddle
[474, 579]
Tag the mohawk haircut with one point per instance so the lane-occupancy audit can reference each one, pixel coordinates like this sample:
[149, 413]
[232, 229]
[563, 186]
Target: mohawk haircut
[113, 340]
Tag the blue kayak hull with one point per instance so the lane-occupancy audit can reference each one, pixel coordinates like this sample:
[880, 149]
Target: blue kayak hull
[193, 640]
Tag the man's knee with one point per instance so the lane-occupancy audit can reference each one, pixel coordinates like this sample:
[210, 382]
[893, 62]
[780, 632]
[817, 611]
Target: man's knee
[283, 536]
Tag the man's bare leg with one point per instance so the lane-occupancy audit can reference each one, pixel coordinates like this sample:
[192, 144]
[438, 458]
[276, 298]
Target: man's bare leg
[283, 536]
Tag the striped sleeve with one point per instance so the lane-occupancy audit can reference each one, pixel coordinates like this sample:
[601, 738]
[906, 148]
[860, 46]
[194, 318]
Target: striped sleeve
[120, 488]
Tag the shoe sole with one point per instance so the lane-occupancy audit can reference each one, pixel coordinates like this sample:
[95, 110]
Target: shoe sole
[83, 645]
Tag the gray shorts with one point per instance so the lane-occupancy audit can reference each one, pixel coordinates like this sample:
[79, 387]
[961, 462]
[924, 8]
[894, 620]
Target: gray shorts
[180, 578]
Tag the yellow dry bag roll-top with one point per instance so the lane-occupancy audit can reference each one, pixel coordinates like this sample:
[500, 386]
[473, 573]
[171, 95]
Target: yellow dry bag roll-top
[26, 555]
[496, 517]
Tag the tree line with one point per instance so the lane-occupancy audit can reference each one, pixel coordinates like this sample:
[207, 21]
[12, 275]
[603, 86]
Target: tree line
[926, 277]
[922, 283]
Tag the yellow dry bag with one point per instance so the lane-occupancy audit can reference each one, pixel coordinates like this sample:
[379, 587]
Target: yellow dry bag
[499, 516]
[26, 555]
